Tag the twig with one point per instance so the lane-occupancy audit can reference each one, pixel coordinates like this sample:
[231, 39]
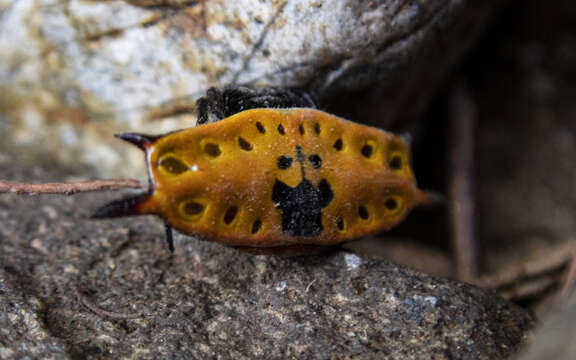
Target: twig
[101, 312]
[68, 188]
[462, 201]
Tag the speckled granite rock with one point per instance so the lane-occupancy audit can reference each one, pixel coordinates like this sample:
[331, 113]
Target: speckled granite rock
[23, 331]
[74, 72]
[208, 301]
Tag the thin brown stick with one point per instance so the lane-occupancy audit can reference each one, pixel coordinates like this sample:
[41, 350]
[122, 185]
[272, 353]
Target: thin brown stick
[68, 188]
[462, 200]
[101, 312]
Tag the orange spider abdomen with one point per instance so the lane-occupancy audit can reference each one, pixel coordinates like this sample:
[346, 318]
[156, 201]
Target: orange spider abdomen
[279, 177]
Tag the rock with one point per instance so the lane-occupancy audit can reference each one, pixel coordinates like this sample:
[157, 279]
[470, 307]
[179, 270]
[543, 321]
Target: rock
[92, 68]
[208, 301]
[554, 339]
[523, 82]
[23, 332]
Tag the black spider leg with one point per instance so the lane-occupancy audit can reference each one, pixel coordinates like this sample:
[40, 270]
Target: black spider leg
[218, 104]
[276, 97]
[169, 236]
[211, 107]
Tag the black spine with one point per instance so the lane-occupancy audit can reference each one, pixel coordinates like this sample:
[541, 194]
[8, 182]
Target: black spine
[169, 237]
[123, 207]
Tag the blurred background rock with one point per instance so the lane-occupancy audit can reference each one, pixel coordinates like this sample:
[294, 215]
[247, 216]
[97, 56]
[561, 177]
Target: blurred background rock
[75, 72]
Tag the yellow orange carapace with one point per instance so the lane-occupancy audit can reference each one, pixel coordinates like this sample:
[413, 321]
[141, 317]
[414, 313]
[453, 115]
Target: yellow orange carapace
[266, 178]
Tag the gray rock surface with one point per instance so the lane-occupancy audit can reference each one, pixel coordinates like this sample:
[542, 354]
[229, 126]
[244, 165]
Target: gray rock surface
[554, 338]
[74, 72]
[208, 301]
[23, 331]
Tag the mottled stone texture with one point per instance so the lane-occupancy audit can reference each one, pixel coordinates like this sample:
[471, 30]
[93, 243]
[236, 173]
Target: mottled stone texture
[208, 301]
[23, 330]
[73, 72]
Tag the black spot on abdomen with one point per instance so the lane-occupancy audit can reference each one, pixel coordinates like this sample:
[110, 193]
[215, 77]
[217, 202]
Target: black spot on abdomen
[302, 206]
